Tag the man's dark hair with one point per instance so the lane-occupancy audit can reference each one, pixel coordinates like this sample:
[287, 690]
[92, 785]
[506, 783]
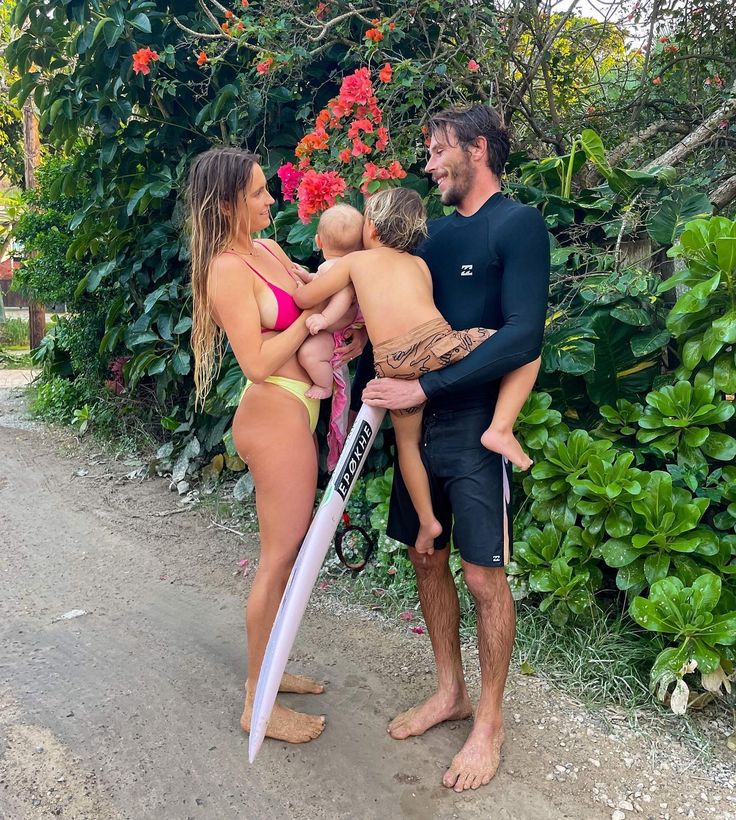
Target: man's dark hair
[470, 123]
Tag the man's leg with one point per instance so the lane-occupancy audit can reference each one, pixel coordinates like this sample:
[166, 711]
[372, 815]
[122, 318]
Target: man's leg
[476, 763]
[441, 610]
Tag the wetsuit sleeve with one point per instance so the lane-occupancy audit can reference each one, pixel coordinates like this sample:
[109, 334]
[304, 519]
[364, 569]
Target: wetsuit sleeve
[523, 246]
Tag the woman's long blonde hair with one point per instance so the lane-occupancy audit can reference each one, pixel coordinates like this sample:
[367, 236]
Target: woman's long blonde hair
[216, 178]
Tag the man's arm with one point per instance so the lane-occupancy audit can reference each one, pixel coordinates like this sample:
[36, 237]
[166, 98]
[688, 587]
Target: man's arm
[524, 293]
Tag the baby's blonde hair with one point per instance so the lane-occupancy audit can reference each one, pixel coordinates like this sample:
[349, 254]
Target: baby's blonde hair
[399, 217]
[340, 228]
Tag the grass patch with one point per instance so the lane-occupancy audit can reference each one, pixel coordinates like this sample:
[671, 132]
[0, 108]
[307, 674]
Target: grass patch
[14, 333]
[15, 359]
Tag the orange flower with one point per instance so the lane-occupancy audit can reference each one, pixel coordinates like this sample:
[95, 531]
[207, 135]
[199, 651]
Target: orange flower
[320, 10]
[202, 59]
[240, 27]
[473, 66]
[244, 3]
[225, 27]
[391, 26]
[142, 60]
[384, 75]
[374, 34]
[375, 21]
[345, 155]
[657, 81]
[265, 65]
[228, 14]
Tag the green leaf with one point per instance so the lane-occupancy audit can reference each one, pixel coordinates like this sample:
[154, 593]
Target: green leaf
[592, 144]
[666, 222]
[720, 446]
[142, 23]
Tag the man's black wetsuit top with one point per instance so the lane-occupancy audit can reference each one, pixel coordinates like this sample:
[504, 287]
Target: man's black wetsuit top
[490, 270]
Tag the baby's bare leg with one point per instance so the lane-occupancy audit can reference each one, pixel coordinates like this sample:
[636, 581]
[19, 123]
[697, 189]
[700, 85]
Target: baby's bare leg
[499, 437]
[408, 431]
[314, 356]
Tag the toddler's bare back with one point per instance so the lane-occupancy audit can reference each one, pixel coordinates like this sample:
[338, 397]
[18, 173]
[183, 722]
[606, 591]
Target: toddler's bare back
[394, 291]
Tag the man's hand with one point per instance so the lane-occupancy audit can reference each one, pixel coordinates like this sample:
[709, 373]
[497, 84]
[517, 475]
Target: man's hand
[354, 347]
[394, 394]
[315, 323]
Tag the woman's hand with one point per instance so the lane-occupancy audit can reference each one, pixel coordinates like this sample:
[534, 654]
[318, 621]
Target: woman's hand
[354, 346]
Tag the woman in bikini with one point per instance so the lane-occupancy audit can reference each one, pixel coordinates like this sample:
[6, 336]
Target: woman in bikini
[242, 289]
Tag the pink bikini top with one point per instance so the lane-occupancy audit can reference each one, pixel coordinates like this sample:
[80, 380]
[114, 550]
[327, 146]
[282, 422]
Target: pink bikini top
[287, 311]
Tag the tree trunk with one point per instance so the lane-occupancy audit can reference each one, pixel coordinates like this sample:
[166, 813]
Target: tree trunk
[696, 138]
[32, 145]
[724, 194]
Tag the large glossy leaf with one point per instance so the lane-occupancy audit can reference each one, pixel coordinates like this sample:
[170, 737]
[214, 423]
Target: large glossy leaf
[668, 220]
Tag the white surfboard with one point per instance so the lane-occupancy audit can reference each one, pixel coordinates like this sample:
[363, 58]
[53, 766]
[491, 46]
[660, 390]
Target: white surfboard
[306, 569]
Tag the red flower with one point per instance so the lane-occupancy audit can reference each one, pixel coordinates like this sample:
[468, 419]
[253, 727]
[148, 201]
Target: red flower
[202, 59]
[320, 10]
[345, 155]
[317, 192]
[228, 14]
[391, 26]
[396, 171]
[225, 27]
[375, 21]
[356, 88]
[244, 3]
[384, 75]
[346, 519]
[265, 66]
[374, 34]
[360, 148]
[407, 616]
[473, 66]
[382, 141]
[664, 39]
[290, 177]
[657, 81]
[142, 60]
[418, 630]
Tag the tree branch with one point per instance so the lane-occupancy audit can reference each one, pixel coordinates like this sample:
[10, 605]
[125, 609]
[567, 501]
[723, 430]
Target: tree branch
[724, 194]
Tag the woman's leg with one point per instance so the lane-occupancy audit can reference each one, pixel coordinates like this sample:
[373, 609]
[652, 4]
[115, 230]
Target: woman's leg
[499, 437]
[408, 431]
[271, 433]
[314, 356]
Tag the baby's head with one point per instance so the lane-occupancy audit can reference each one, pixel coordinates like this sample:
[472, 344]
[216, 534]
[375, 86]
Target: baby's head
[398, 217]
[340, 231]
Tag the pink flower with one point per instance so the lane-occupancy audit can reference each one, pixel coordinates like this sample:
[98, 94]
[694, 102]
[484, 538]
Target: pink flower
[391, 571]
[418, 630]
[407, 616]
[473, 66]
[317, 192]
[265, 66]
[290, 177]
[356, 88]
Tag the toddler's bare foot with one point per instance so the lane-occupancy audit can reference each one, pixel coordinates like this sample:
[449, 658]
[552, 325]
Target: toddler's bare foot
[507, 445]
[317, 392]
[425, 537]
[286, 724]
[300, 685]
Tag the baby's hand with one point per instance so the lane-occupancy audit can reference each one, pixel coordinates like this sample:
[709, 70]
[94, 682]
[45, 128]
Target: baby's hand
[315, 323]
[303, 274]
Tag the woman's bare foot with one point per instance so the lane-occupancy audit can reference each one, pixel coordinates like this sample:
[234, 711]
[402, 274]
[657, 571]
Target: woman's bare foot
[286, 724]
[507, 445]
[317, 392]
[436, 709]
[300, 685]
[476, 763]
[425, 537]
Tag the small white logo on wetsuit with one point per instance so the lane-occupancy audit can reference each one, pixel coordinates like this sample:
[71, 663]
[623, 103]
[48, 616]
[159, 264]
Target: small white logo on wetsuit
[466, 270]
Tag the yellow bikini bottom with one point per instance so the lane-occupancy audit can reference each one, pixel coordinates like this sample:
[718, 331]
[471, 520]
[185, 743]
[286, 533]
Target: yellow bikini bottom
[297, 389]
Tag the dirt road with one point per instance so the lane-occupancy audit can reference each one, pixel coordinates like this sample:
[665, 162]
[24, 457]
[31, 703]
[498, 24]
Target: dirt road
[131, 710]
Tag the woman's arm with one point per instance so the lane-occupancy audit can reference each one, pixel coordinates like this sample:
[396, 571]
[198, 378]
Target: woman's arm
[325, 285]
[233, 301]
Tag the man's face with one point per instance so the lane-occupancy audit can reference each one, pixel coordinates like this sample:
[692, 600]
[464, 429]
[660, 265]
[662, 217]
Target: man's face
[450, 167]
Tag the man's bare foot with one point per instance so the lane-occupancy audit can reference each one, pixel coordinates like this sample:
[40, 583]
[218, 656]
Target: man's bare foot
[300, 685]
[436, 709]
[507, 445]
[317, 392]
[425, 537]
[286, 724]
[476, 763]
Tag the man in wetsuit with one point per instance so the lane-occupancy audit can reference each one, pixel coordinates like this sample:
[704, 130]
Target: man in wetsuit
[490, 268]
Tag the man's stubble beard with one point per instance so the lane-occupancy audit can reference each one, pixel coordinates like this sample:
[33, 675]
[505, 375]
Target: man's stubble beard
[460, 187]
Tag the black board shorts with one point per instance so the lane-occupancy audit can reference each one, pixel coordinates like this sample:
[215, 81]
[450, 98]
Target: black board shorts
[470, 486]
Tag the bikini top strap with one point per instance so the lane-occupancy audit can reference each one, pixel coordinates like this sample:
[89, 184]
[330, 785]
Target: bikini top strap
[243, 259]
[283, 265]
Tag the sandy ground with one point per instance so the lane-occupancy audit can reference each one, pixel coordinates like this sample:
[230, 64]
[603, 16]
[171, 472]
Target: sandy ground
[131, 710]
